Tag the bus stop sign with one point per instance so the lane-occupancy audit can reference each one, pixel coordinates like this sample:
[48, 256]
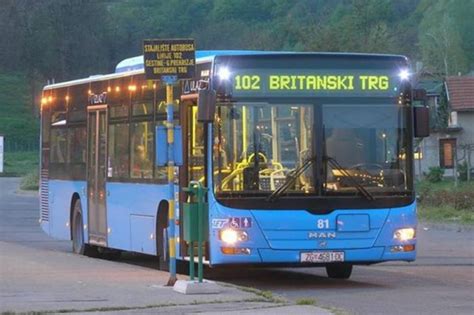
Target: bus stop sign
[169, 58]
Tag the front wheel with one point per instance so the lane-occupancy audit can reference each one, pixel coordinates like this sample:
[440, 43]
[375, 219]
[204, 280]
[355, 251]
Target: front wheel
[78, 245]
[339, 271]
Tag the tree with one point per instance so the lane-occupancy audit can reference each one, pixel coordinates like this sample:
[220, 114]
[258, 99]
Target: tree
[441, 40]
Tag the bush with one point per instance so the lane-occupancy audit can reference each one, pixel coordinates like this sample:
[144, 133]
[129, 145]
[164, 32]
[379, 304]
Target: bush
[462, 170]
[435, 174]
[457, 199]
[30, 181]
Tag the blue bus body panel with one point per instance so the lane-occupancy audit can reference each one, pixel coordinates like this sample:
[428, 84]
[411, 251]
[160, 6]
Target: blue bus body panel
[131, 215]
[275, 236]
[280, 236]
[60, 194]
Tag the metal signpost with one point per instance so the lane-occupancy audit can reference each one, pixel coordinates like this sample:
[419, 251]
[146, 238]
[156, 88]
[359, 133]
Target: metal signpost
[170, 60]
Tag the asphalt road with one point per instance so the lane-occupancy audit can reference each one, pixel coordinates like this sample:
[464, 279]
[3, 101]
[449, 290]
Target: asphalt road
[441, 281]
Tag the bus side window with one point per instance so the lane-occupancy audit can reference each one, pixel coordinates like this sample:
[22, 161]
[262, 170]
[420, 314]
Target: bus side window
[118, 160]
[58, 145]
[142, 150]
[58, 134]
[77, 148]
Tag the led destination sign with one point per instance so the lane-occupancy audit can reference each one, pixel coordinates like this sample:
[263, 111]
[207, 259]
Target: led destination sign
[311, 83]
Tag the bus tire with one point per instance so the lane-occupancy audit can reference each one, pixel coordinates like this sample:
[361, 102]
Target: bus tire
[162, 239]
[78, 245]
[339, 271]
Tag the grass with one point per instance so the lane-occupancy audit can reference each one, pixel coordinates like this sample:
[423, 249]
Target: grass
[20, 163]
[305, 301]
[445, 202]
[445, 214]
[30, 181]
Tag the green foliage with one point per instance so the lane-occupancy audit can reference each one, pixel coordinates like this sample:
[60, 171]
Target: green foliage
[435, 174]
[69, 39]
[446, 42]
[73, 38]
[20, 163]
[17, 120]
[442, 201]
[305, 301]
[462, 169]
[30, 181]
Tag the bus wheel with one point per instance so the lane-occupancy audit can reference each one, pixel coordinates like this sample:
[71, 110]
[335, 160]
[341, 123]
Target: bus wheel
[162, 244]
[78, 245]
[339, 271]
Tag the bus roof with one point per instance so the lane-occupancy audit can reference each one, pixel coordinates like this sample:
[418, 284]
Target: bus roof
[134, 65]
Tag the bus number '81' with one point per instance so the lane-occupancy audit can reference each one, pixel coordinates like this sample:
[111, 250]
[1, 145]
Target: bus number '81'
[247, 82]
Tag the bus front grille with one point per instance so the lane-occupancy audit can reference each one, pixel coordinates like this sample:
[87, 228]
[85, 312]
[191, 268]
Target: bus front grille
[44, 194]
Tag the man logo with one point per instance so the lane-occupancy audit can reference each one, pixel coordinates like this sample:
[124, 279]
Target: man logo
[317, 235]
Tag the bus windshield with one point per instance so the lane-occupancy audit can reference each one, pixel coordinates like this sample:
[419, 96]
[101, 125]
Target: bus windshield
[369, 145]
[259, 147]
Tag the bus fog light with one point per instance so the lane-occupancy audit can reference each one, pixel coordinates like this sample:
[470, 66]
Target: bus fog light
[402, 248]
[404, 234]
[235, 251]
[396, 249]
[243, 236]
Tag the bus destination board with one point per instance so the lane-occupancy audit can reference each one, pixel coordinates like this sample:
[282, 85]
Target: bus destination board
[308, 83]
[169, 57]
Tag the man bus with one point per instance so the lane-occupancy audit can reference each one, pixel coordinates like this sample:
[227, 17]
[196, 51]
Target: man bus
[308, 157]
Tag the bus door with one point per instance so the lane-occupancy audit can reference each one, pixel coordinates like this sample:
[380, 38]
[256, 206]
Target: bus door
[194, 155]
[96, 174]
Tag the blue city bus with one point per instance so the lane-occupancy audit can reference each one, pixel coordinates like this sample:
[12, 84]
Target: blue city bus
[308, 158]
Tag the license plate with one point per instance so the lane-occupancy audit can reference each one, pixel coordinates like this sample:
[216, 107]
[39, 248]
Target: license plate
[321, 257]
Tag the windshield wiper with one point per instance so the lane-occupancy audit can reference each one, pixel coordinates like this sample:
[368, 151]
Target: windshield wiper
[291, 178]
[335, 165]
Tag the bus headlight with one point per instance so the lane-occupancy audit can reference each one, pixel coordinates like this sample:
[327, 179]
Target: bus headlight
[404, 74]
[223, 73]
[231, 236]
[405, 234]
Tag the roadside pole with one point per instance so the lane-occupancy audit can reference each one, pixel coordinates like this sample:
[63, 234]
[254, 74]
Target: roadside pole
[171, 206]
[168, 61]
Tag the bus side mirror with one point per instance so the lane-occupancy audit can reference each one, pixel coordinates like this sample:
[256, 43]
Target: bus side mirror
[206, 105]
[422, 121]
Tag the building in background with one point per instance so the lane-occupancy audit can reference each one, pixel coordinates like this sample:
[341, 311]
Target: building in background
[451, 143]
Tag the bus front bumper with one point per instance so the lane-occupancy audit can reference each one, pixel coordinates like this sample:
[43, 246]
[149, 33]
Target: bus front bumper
[292, 257]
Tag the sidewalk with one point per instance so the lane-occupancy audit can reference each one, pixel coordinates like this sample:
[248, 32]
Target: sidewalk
[40, 274]
[36, 280]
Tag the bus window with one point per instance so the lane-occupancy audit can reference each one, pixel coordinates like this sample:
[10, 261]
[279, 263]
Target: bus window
[144, 108]
[77, 151]
[58, 145]
[118, 159]
[119, 111]
[257, 146]
[142, 150]
[77, 102]
[369, 142]
[59, 106]
[58, 133]
[195, 146]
